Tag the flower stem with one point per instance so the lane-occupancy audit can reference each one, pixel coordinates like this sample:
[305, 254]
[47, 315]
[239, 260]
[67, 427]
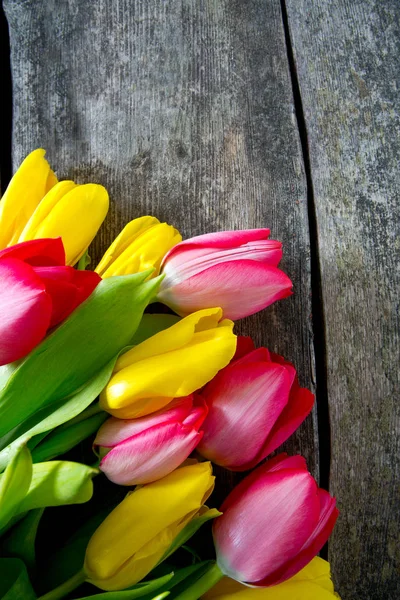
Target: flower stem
[202, 585]
[66, 587]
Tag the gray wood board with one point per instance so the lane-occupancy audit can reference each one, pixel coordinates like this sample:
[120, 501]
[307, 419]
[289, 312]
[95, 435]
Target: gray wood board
[347, 56]
[183, 110]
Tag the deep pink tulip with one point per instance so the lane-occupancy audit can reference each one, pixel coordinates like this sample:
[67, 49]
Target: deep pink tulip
[37, 292]
[146, 449]
[254, 405]
[273, 523]
[236, 270]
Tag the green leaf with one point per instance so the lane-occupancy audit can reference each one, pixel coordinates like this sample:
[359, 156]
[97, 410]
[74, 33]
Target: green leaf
[20, 540]
[14, 484]
[64, 562]
[76, 350]
[14, 580]
[187, 574]
[152, 324]
[189, 530]
[137, 591]
[64, 438]
[58, 482]
[48, 418]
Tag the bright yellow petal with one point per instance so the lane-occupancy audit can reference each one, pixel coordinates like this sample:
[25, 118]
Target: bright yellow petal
[44, 208]
[135, 535]
[150, 384]
[129, 233]
[24, 192]
[76, 217]
[146, 251]
[172, 338]
[311, 583]
[318, 571]
[51, 180]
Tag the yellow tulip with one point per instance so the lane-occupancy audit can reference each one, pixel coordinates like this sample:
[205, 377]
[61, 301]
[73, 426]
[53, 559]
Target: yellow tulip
[311, 583]
[31, 182]
[35, 205]
[171, 364]
[139, 531]
[140, 246]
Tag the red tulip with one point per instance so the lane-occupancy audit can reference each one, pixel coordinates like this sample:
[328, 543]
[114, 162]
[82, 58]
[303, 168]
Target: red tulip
[148, 448]
[37, 292]
[273, 524]
[254, 405]
[236, 270]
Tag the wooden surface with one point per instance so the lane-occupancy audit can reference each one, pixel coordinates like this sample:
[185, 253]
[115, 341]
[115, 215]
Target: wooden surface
[185, 110]
[347, 58]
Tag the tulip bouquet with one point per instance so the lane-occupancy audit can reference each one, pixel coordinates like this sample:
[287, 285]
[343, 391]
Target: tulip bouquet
[156, 399]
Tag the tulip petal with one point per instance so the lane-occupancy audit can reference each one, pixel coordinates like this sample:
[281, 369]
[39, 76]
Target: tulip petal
[320, 534]
[145, 251]
[228, 589]
[173, 338]
[26, 310]
[23, 194]
[76, 218]
[44, 208]
[67, 288]
[259, 519]
[160, 375]
[150, 455]
[131, 540]
[219, 239]
[129, 233]
[240, 287]
[244, 346]
[190, 262]
[43, 252]
[297, 409]
[283, 461]
[114, 431]
[258, 393]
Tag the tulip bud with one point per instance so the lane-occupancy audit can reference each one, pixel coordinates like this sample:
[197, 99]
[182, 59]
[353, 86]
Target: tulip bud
[140, 246]
[254, 405]
[36, 298]
[139, 531]
[171, 364]
[273, 524]
[35, 205]
[311, 583]
[236, 270]
[144, 450]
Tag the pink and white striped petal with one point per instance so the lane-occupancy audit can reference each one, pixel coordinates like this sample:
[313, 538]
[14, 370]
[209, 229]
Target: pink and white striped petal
[150, 455]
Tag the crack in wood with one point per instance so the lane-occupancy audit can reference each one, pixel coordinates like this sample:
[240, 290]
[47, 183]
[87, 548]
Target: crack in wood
[324, 432]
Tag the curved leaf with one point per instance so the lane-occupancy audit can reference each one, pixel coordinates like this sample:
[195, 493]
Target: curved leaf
[14, 580]
[20, 540]
[76, 350]
[14, 485]
[57, 483]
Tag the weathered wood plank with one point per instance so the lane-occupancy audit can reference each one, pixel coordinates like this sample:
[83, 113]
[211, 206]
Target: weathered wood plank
[183, 110]
[348, 59]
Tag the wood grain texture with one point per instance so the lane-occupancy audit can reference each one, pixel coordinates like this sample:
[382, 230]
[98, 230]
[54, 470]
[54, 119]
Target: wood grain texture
[183, 110]
[348, 60]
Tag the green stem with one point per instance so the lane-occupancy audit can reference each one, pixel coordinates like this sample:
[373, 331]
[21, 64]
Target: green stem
[65, 588]
[202, 585]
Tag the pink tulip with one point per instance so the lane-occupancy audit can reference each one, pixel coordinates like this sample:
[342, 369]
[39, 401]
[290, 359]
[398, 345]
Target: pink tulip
[273, 524]
[254, 405]
[146, 449]
[37, 292]
[236, 270]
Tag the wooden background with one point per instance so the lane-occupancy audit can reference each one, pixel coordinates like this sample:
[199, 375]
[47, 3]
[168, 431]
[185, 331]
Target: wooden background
[226, 114]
